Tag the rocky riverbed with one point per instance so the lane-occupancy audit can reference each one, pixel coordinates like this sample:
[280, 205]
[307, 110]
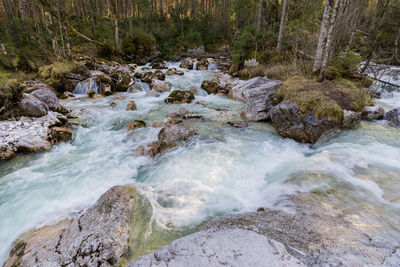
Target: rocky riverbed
[193, 164]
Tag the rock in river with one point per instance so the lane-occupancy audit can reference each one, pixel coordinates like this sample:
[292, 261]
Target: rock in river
[179, 97]
[97, 237]
[393, 117]
[169, 137]
[372, 113]
[289, 121]
[31, 106]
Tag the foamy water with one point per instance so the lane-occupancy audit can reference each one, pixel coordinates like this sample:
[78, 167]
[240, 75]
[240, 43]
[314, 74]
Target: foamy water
[223, 170]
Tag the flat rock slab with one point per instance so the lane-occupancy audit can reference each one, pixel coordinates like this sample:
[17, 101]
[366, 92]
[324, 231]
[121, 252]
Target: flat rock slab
[229, 247]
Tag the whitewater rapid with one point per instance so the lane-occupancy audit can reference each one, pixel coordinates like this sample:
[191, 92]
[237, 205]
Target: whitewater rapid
[223, 170]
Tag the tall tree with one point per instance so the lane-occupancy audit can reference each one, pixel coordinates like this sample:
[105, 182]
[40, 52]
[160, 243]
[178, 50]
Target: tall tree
[282, 25]
[329, 40]
[322, 36]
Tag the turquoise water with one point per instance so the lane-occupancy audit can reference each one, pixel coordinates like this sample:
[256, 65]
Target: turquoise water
[223, 170]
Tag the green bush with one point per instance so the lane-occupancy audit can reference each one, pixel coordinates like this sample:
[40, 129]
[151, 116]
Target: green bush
[347, 63]
[141, 43]
[23, 63]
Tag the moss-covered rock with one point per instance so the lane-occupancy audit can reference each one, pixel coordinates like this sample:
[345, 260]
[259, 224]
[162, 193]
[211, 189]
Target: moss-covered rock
[305, 109]
[179, 97]
[325, 100]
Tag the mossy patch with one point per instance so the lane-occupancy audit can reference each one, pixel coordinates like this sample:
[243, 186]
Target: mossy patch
[60, 69]
[275, 71]
[9, 91]
[325, 100]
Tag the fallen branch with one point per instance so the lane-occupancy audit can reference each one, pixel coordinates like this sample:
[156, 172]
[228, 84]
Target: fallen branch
[385, 82]
[304, 54]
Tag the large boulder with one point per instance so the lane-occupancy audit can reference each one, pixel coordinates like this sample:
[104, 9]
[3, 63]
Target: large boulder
[31, 106]
[97, 237]
[289, 122]
[243, 90]
[187, 63]
[225, 247]
[179, 97]
[47, 96]
[123, 81]
[393, 117]
[212, 85]
[32, 143]
[170, 137]
[259, 104]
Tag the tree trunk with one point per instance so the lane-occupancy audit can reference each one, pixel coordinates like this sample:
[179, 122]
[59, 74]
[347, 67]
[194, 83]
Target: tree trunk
[10, 17]
[282, 25]
[329, 41]
[130, 18]
[260, 6]
[322, 36]
[3, 48]
[116, 26]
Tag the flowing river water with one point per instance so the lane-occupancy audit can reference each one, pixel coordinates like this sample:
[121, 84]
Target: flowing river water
[223, 170]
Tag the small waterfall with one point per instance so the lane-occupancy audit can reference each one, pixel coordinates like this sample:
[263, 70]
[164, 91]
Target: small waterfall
[83, 87]
[194, 65]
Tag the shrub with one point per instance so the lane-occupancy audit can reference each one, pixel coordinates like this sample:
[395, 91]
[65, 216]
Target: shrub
[23, 63]
[140, 43]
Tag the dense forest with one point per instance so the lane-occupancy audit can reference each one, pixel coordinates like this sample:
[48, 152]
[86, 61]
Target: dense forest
[269, 31]
[210, 132]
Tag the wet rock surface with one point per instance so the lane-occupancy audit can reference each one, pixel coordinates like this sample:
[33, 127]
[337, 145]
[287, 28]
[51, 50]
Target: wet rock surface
[289, 121]
[373, 113]
[179, 97]
[351, 119]
[159, 85]
[135, 125]
[228, 247]
[97, 237]
[187, 63]
[318, 231]
[241, 91]
[393, 117]
[169, 137]
[29, 134]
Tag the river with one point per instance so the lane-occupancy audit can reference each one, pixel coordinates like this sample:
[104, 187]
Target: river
[222, 171]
